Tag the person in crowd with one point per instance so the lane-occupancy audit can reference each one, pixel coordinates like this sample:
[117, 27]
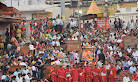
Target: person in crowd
[75, 74]
[53, 73]
[103, 74]
[88, 73]
[82, 73]
[19, 78]
[132, 69]
[116, 24]
[102, 56]
[96, 73]
[72, 24]
[112, 74]
[61, 74]
[131, 25]
[126, 78]
[87, 24]
[7, 37]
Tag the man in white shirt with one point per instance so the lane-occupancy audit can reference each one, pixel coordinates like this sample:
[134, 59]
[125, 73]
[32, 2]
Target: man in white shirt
[126, 78]
[74, 38]
[130, 62]
[100, 63]
[72, 24]
[53, 43]
[124, 25]
[25, 71]
[19, 78]
[131, 25]
[132, 69]
[28, 77]
[23, 63]
[31, 47]
[57, 62]
[135, 54]
[129, 49]
[120, 53]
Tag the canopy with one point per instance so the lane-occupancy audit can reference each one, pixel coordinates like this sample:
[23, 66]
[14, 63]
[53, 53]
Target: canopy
[93, 9]
[89, 16]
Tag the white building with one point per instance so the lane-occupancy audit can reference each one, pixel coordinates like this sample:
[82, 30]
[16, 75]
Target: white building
[34, 8]
[32, 11]
[127, 12]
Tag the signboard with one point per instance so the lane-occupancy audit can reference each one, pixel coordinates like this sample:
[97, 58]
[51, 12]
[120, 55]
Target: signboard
[44, 16]
[129, 41]
[72, 45]
[123, 5]
[21, 18]
[103, 23]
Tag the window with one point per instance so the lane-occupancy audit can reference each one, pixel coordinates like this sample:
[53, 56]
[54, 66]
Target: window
[128, 9]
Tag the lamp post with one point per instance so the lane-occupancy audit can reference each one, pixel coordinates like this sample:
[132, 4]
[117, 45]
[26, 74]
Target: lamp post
[106, 10]
[79, 29]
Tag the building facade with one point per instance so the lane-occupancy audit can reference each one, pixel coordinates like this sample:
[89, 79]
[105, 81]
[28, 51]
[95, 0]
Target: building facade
[127, 12]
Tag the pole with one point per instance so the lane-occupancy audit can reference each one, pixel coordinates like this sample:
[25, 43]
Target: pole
[18, 2]
[79, 29]
[11, 3]
[71, 8]
[63, 9]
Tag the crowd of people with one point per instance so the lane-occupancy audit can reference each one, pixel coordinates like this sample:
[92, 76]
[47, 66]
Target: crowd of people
[48, 45]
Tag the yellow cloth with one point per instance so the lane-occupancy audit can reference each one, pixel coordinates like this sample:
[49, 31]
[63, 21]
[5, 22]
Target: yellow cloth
[48, 35]
[33, 62]
[52, 63]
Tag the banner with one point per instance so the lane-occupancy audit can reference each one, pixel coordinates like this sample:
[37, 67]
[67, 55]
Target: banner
[44, 16]
[103, 23]
[72, 45]
[129, 41]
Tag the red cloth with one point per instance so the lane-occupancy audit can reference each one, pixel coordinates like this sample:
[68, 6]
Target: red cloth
[135, 77]
[96, 72]
[88, 74]
[81, 75]
[112, 74]
[103, 77]
[61, 75]
[75, 75]
[68, 79]
[38, 45]
[52, 74]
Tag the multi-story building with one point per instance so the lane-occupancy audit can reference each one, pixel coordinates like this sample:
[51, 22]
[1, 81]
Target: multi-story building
[42, 8]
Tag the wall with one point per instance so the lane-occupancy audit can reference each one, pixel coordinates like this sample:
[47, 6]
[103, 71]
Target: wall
[54, 10]
[28, 15]
[3, 27]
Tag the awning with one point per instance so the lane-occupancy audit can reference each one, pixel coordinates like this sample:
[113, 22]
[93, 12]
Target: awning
[89, 16]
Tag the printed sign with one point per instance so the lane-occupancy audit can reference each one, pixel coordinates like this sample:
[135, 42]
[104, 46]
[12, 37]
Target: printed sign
[103, 23]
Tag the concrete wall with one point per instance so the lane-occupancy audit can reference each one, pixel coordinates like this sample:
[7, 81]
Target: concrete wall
[54, 10]
[28, 15]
